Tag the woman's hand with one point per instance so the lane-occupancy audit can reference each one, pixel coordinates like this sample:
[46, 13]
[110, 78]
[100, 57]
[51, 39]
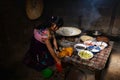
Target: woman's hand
[58, 61]
[59, 66]
[57, 52]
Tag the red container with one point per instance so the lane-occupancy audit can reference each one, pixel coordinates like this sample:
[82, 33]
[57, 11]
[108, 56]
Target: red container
[59, 67]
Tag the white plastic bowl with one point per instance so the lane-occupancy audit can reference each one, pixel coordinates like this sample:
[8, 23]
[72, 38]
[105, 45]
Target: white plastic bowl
[79, 46]
[89, 43]
[101, 44]
[85, 54]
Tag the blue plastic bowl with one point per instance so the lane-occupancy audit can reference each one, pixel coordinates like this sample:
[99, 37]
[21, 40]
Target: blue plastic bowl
[94, 49]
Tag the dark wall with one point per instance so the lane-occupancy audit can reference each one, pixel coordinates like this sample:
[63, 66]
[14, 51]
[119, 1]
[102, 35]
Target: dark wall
[87, 14]
[15, 30]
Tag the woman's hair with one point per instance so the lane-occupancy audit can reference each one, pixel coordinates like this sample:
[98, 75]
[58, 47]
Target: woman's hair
[57, 20]
[54, 19]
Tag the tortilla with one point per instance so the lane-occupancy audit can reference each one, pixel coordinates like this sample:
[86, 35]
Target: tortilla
[86, 37]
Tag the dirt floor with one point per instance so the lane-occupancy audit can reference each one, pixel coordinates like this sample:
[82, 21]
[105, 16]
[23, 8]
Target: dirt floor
[13, 69]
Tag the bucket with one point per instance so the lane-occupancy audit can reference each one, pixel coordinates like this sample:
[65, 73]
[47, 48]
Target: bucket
[47, 73]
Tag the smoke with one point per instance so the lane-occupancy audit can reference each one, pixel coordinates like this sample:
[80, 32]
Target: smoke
[90, 12]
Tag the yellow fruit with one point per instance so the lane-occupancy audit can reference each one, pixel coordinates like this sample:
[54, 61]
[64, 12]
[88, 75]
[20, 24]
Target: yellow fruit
[63, 53]
[70, 50]
[66, 52]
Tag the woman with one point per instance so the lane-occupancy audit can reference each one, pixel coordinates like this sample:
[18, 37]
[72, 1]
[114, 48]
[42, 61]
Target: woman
[41, 53]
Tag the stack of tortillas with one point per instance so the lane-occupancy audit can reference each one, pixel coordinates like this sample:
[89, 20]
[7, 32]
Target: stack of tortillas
[34, 8]
[86, 37]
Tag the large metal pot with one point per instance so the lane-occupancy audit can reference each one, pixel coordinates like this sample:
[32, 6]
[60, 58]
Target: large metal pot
[68, 36]
[97, 33]
[68, 31]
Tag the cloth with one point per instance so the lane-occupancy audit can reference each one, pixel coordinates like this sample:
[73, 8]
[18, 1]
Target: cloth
[38, 56]
[41, 35]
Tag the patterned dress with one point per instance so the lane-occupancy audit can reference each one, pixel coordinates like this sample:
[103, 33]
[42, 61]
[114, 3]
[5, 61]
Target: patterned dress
[38, 55]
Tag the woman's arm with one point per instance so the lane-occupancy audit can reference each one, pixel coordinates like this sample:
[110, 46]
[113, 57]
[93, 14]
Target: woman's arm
[55, 43]
[52, 52]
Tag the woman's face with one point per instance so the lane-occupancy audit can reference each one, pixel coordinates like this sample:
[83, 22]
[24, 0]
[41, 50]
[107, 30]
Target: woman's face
[54, 27]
